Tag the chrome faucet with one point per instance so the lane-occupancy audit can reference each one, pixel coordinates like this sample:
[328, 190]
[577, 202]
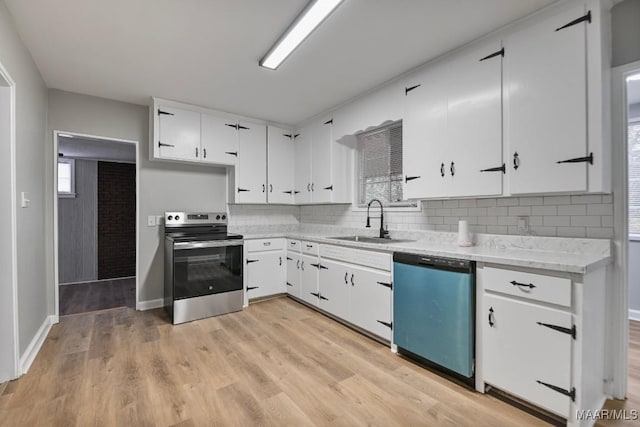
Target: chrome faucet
[384, 234]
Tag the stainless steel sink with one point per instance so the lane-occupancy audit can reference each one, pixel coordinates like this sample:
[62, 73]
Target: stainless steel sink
[365, 239]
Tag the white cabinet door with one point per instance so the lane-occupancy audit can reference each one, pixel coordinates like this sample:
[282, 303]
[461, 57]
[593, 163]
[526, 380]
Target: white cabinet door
[521, 351]
[546, 105]
[309, 279]
[321, 168]
[370, 301]
[474, 122]
[424, 130]
[293, 274]
[265, 273]
[334, 288]
[251, 171]
[302, 182]
[179, 133]
[219, 140]
[281, 163]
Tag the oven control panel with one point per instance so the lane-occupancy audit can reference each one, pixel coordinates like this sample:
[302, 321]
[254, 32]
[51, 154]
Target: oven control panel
[198, 218]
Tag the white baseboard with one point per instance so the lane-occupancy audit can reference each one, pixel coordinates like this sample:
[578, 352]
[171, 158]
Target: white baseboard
[36, 344]
[634, 314]
[150, 305]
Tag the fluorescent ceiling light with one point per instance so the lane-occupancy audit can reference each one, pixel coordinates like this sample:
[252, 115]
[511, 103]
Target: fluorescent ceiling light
[312, 16]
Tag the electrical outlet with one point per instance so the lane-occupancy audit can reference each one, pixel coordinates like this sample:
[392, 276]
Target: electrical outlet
[151, 220]
[159, 219]
[523, 224]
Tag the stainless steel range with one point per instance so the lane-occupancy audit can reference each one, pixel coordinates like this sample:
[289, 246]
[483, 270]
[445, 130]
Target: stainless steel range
[203, 266]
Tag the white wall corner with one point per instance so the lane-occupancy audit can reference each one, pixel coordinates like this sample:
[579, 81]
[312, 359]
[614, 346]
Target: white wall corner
[150, 304]
[36, 344]
[634, 315]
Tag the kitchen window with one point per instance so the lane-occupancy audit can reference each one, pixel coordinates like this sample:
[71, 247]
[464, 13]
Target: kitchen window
[380, 166]
[66, 178]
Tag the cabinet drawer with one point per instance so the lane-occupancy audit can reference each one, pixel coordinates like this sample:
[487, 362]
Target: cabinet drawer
[554, 290]
[261, 245]
[525, 353]
[310, 248]
[294, 245]
[372, 259]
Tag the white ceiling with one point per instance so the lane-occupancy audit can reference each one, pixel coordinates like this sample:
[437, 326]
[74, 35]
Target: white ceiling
[97, 149]
[205, 52]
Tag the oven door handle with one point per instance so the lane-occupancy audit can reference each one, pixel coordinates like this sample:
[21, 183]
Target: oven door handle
[209, 244]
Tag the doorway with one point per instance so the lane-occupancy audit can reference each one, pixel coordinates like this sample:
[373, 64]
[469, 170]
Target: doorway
[95, 219]
[9, 358]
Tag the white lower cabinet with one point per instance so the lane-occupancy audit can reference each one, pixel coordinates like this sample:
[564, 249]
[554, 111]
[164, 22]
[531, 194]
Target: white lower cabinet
[351, 284]
[541, 337]
[265, 268]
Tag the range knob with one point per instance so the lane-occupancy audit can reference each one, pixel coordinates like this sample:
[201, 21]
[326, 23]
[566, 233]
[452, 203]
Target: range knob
[217, 216]
[224, 217]
[170, 217]
[177, 217]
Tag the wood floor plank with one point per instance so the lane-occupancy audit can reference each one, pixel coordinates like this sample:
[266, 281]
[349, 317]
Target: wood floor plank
[276, 363]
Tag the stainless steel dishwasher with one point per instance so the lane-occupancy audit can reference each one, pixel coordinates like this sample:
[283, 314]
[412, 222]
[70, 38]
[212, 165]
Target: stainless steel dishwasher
[434, 310]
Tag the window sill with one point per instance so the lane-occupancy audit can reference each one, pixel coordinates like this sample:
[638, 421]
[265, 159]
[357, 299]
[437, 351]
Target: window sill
[376, 207]
[66, 195]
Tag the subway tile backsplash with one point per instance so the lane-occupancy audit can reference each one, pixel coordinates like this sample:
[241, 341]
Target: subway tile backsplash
[563, 216]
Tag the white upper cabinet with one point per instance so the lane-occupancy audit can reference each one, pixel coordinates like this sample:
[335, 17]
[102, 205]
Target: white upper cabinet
[280, 165]
[178, 133]
[474, 122]
[302, 169]
[321, 182]
[546, 105]
[452, 128]
[219, 140]
[251, 171]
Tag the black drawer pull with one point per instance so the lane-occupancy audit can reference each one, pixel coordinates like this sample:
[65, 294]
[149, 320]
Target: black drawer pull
[442, 170]
[516, 161]
[523, 285]
[492, 320]
[346, 280]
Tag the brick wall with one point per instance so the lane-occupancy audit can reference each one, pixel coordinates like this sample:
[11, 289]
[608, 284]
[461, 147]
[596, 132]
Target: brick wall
[116, 220]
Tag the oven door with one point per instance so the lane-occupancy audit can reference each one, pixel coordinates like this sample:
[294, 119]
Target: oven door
[205, 268]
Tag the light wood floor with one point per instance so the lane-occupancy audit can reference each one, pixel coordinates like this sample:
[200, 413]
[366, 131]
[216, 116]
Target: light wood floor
[275, 363]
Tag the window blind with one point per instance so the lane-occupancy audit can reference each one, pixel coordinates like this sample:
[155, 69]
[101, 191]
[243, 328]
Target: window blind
[380, 171]
[634, 178]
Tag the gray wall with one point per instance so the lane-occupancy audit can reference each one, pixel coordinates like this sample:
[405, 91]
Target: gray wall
[31, 110]
[78, 227]
[625, 32]
[162, 186]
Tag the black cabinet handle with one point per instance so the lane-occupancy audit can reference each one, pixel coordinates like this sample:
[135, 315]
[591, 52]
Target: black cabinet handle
[502, 169]
[312, 185]
[322, 267]
[270, 188]
[352, 282]
[240, 190]
[442, 170]
[492, 320]
[196, 151]
[386, 285]
[409, 89]
[234, 125]
[315, 265]
[302, 265]
[249, 261]
[315, 294]
[387, 324]
[288, 192]
[295, 192]
[522, 285]
[588, 159]
[298, 264]
[309, 187]
[576, 21]
[452, 169]
[264, 188]
[204, 153]
[346, 281]
[243, 127]
[289, 284]
[289, 259]
[329, 188]
[231, 153]
[410, 178]
[252, 287]
[322, 297]
[516, 161]
[493, 55]
[296, 135]
[570, 331]
[280, 260]
[329, 122]
[570, 393]
[162, 144]
[166, 113]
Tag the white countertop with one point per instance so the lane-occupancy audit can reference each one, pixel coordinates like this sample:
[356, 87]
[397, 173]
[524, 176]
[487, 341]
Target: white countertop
[579, 256]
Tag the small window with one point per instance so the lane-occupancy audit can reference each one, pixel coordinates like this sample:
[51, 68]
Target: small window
[66, 178]
[380, 166]
[634, 177]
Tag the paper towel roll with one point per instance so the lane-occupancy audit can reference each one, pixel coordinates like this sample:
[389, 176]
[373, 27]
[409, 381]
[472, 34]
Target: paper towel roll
[464, 239]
